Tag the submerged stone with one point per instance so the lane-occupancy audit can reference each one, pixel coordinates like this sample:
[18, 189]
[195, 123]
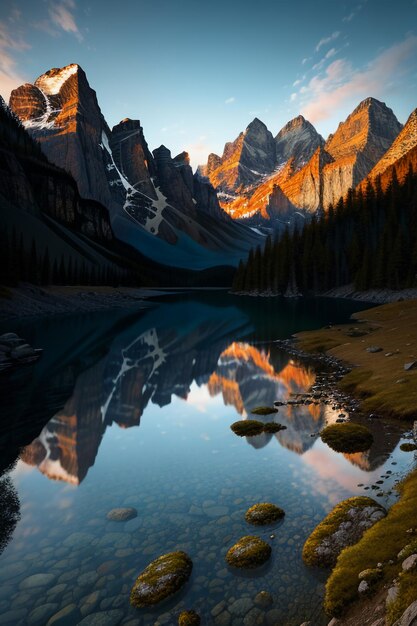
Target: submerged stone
[161, 578]
[249, 552]
[122, 514]
[189, 618]
[263, 513]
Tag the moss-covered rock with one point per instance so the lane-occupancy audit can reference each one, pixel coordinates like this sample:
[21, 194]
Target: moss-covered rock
[347, 437]
[371, 575]
[247, 428]
[263, 513]
[342, 527]
[408, 550]
[189, 618]
[264, 410]
[161, 579]
[273, 427]
[248, 553]
[408, 447]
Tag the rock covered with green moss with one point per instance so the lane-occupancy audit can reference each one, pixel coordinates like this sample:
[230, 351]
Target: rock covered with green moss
[342, 527]
[251, 428]
[248, 553]
[247, 428]
[264, 410]
[160, 579]
[263, 513]
[189, 618]
[273, 427]
[347, 437]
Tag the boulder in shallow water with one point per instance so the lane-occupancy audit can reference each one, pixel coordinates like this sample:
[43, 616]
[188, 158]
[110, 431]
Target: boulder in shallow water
[249, 552]
[161, 578]
[263, 513]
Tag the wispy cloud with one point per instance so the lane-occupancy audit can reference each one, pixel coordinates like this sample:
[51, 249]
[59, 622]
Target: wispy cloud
[329, 54]
[352, 14]
[230, 100]
[304, 61]
[10, 44]
[342, 83]
[293, 97]
[327, 40]
[62, 15]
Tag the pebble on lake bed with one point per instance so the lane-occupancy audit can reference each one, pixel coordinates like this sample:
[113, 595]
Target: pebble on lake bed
[122, 514]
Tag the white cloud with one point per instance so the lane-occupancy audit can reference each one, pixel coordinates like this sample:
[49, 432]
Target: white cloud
[304, 61]
[296, 82]
[10, 43]
[352, 14]
[293, 97]
[327, 40]
[342, 83]
[230, 100]
[62, 15]
[330, 53]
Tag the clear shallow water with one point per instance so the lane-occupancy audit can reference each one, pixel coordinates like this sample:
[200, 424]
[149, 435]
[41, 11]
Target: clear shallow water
[134, 410]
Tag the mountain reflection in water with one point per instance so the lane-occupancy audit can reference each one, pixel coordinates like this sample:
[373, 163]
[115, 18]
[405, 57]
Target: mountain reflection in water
[162, 356]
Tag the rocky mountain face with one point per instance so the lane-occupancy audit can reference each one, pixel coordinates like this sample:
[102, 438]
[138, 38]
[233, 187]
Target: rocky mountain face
[155, 202]
[297, 140]
[402, 154]
[244, 161]
[356, 147]
[251, 166]
[41, 206]
[310, 174]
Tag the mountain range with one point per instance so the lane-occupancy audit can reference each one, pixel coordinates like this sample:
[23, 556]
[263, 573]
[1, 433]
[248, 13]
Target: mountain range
[261, 180]
[103, 193]
[155, 203]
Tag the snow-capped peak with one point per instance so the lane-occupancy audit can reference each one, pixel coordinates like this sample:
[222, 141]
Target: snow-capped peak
[51, 82]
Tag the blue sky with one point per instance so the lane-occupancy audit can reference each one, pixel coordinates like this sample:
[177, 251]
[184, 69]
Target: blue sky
[197, 73]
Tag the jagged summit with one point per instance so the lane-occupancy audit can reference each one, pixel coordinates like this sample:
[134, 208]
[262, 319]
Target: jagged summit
[298, 139]
[52, 81]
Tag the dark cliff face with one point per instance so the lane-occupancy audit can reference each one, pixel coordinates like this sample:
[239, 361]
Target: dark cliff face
[61, 111]
[29, 182]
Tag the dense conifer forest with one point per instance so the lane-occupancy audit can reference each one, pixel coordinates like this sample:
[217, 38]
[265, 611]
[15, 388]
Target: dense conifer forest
[369, 239]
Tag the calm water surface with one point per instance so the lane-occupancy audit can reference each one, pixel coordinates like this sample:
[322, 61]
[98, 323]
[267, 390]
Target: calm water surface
[134, 409]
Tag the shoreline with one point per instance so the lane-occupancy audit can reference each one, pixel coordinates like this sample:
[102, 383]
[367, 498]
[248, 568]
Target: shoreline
[30, 301]
[347, 292]
[377, 346]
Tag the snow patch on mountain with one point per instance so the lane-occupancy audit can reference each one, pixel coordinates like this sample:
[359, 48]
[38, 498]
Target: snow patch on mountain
[52, 81]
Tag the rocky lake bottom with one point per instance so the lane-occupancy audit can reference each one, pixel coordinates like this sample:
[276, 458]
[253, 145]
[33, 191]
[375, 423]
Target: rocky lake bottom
[138, 415]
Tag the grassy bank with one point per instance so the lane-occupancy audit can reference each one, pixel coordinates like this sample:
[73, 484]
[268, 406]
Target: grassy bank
[378, 378]
[378, 343]
[380, 544]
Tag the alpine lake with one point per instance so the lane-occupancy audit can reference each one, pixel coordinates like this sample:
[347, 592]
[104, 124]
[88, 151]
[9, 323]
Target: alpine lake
[132, 408]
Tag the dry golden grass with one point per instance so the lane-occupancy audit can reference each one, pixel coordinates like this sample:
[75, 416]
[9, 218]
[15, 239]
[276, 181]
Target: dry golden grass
[380, 380]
